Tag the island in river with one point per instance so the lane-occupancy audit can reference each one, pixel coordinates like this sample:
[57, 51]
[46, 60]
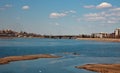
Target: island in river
[8, 59]
[101, 68]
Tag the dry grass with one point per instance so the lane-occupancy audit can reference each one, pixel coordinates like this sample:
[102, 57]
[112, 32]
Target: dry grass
[6, 60]
[101, 68]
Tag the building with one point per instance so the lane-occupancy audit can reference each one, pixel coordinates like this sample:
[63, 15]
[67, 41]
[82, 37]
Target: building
[7, 33]
[117, 33]
[111, 35]
[99, 35]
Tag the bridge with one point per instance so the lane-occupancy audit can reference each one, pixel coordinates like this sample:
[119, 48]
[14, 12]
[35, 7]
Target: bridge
[61, 36]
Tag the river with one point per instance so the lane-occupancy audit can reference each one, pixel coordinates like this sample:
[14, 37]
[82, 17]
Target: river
[73, 52]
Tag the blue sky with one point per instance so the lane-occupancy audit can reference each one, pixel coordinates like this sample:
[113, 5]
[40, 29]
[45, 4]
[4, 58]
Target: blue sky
[59, 17]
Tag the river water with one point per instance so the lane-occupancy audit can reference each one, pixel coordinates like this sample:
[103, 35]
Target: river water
[73, 52]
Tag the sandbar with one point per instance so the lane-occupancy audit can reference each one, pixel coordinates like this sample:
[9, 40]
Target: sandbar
[101, 39]
[101, 68]
[8, 59]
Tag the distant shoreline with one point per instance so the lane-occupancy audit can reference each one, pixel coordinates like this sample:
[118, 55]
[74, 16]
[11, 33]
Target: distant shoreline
[9, 59]
[100, 39]
[91, 39]
[101, 68]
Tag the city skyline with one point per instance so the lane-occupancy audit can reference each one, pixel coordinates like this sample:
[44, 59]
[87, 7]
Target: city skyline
[60, 16]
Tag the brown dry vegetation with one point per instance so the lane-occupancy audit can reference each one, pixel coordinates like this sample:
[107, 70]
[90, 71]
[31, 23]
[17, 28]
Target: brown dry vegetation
[101, 68]
[6, 60]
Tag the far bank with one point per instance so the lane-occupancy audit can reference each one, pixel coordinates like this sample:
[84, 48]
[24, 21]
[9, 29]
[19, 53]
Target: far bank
[100, 39]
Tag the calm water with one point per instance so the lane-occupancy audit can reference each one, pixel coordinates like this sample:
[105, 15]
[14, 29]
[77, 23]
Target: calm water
[90, 52]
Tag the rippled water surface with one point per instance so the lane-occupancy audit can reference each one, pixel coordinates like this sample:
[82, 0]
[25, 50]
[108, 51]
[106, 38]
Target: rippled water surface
[86, 52]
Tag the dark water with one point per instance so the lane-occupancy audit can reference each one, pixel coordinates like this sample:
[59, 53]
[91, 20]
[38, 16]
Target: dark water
[87, 52]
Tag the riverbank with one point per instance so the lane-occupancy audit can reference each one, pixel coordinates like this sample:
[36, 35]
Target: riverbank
[100, 39]
[9, 59]
[101, 68]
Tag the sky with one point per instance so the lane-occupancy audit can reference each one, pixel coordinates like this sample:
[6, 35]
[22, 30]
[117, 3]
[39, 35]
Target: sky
[60, 17]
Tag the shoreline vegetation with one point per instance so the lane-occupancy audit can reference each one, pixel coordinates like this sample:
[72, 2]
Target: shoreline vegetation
[6, 60]
[22, 34]
[89, 39]
[101, 68]
[101, 39]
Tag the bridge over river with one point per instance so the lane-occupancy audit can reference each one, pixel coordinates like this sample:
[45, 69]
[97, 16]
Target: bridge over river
[61, 36]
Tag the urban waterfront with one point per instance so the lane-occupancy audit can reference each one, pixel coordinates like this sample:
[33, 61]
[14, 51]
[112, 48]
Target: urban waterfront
[73, 52]
[59, 36]
[14, 34]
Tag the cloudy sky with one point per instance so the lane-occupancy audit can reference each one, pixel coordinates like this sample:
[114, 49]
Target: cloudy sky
[59, 17]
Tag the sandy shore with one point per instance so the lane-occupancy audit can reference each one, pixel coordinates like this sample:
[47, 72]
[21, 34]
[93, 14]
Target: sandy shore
[6, 60]
[100, 39]
[101, 68]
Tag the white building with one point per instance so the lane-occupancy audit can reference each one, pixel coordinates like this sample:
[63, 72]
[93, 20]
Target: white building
[117, 32]
[100, 35]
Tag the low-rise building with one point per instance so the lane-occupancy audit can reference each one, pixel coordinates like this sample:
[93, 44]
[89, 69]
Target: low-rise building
[99, 35]
[117, 33]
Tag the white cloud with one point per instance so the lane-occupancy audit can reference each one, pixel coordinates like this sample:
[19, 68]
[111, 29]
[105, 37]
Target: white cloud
[57, 15]
[8, 6]
[57, 24]
[5, 7]
[26, 7]
[109, 16]
[100, 6]
[89, 6]
[61, 14]
[72, 11]
[115, 9]
[111, 22]
[104, 5]
[94, 17]
[104, 17]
